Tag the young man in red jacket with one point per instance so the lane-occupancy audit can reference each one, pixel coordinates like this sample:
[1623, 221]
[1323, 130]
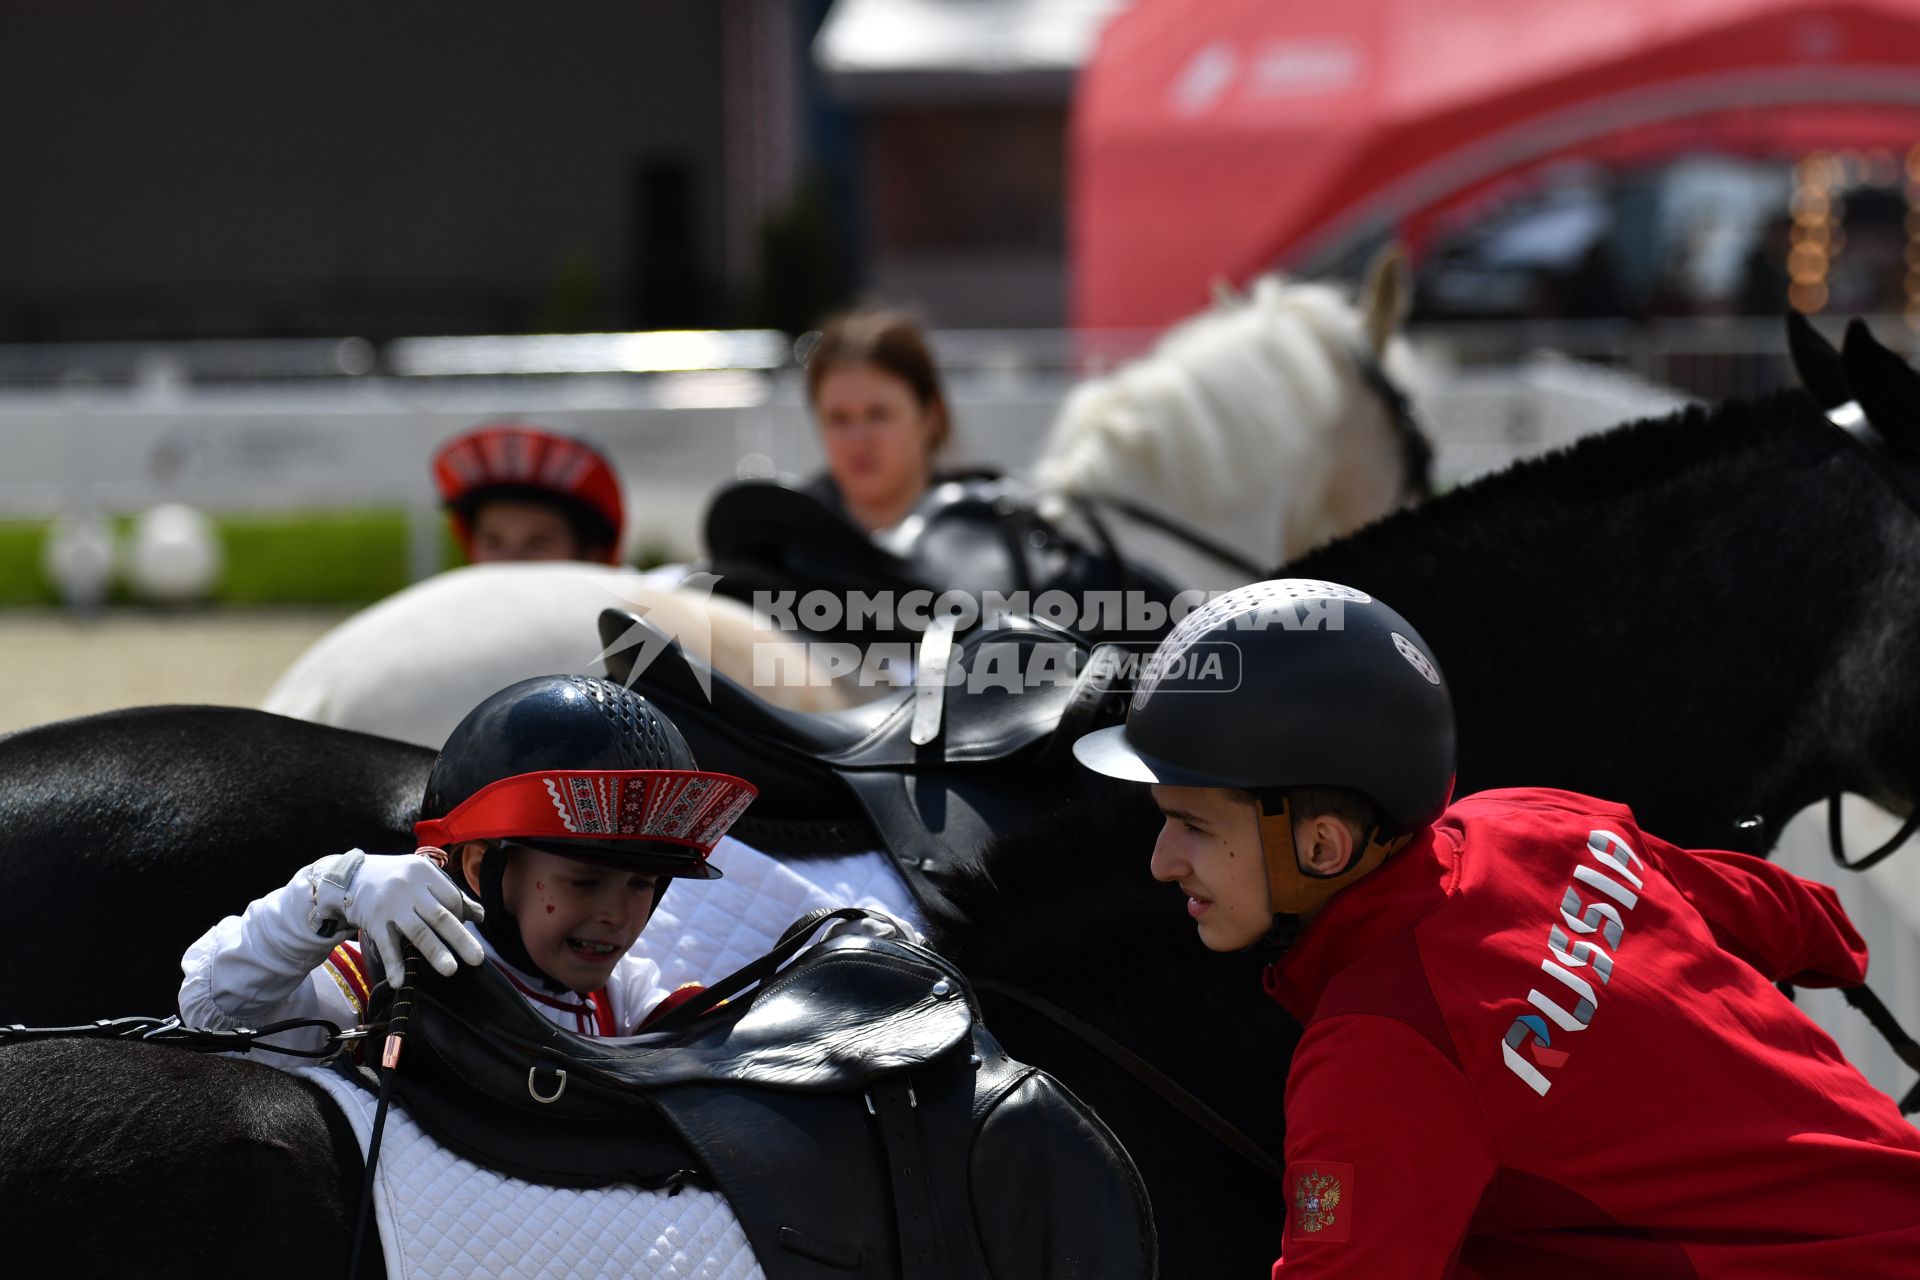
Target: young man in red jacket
[1539, 1041]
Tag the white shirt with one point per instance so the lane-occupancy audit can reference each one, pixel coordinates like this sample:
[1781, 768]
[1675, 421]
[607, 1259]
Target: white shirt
[278, 960]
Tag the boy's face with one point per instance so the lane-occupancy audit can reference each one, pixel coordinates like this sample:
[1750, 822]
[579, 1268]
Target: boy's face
[577, 919]
[507, 530]
[1210, 846]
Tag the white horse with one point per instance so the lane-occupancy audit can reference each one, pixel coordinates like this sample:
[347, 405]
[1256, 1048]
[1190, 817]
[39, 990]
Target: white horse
[412, 665]
[1252, 423]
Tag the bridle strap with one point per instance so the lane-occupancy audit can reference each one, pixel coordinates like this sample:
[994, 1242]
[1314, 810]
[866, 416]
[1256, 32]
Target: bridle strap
[1158, 1082]
[1899, 472]
[173, 1031]
[1896, 468]
[1173, 528]
[1416, 451]
[1836, 839]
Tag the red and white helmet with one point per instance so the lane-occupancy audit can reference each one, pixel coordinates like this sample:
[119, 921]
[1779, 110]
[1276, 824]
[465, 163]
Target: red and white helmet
[521, 462]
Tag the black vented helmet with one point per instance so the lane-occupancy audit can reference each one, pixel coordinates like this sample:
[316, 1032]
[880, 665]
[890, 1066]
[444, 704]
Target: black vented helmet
[565, 722]
[1290, 683]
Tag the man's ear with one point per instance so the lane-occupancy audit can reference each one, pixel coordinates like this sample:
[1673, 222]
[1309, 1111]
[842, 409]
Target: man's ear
[1325, 845]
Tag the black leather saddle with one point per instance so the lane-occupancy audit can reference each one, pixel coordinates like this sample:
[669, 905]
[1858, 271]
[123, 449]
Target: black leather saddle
[928, 773]
[976, 532]
[852, 1108]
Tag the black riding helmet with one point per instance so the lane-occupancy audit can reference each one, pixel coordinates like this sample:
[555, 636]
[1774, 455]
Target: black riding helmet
[1291, 683]
[564, 722]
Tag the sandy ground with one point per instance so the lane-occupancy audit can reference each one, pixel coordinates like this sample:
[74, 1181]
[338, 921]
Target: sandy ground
[53, 665]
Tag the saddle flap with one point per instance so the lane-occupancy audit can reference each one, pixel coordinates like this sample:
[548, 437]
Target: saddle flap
[842, 1013]
[848, 1011]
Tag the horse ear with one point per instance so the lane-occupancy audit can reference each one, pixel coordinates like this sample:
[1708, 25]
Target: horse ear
[1817, 361]
[1385, 298]
[1887, 389]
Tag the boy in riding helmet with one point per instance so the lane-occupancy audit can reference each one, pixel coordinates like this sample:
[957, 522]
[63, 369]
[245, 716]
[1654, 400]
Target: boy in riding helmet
[521, 492]
[555, 817]
[1539, 1041]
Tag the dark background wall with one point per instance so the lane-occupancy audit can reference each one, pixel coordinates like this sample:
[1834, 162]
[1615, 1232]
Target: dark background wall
[224, 167]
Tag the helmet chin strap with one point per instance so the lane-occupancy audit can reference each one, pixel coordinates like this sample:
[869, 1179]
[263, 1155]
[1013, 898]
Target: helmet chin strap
[499, 926]
[1295, 893]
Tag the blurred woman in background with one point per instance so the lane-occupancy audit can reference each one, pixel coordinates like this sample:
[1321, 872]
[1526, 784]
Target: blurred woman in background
[883, 416]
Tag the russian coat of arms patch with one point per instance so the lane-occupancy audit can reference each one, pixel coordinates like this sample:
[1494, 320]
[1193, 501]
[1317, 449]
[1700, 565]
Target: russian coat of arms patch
[1322, 1201]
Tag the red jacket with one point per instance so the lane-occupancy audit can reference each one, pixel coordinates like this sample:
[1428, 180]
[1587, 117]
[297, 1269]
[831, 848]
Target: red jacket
[1540, 1042]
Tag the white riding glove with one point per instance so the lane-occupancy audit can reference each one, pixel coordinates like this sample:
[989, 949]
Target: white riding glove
[397, 898]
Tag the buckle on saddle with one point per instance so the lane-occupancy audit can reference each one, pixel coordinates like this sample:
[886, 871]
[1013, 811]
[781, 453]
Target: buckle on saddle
[533, 1087]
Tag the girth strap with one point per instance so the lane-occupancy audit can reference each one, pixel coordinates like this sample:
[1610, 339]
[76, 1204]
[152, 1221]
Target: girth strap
[894, 1107]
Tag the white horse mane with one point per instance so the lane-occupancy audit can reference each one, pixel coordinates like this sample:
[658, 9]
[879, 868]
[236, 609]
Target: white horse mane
[1234, 420]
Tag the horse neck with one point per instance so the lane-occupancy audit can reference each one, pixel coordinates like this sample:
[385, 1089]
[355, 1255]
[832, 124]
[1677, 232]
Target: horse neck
[1699, 627]
[1251, 426]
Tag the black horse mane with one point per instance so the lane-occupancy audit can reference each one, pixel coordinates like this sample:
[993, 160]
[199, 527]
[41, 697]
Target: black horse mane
[1620, 469]
[1623, 461]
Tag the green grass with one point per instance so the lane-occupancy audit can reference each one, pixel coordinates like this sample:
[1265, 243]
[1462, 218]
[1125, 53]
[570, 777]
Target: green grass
[20, 579]
[327, 558]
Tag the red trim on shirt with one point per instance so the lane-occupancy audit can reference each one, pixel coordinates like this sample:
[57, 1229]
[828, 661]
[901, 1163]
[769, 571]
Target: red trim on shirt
[587, 1018]
[350, 972]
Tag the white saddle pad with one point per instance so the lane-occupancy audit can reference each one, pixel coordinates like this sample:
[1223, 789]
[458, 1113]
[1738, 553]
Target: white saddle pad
[705, 929]
[444, 1218]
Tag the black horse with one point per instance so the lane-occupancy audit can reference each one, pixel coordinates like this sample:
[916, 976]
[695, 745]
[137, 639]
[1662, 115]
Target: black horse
[124, 1159]
[1710, 617]
[123, 836]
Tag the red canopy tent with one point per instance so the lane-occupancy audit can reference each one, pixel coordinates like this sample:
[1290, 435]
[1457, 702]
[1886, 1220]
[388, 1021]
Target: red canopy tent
[1221, 138]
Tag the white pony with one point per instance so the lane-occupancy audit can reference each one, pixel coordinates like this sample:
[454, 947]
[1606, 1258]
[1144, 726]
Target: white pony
[412, 665]
[1252, 423]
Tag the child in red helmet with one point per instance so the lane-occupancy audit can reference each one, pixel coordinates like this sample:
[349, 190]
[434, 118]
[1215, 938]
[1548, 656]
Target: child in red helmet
[555, 817]
[520, 492]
